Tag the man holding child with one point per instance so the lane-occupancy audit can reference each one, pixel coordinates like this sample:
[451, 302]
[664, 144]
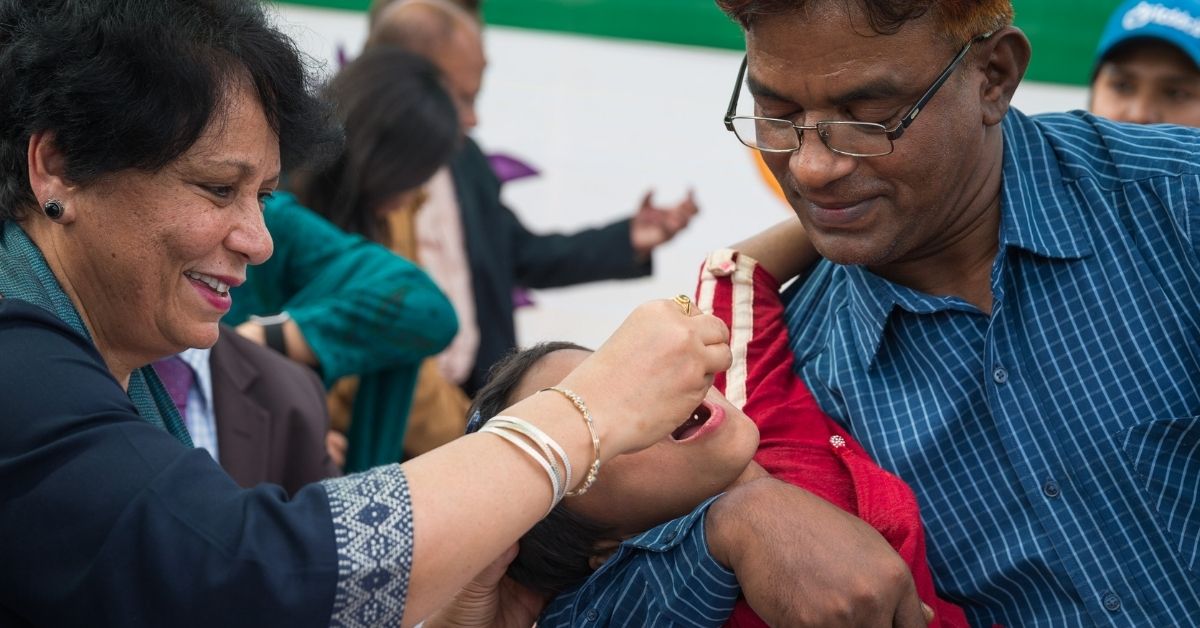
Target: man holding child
[1007, 318]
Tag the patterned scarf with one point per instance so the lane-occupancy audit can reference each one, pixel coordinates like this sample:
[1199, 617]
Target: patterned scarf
[25, 275]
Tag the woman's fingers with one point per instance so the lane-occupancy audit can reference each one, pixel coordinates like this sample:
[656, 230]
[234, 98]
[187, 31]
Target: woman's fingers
[653, 371]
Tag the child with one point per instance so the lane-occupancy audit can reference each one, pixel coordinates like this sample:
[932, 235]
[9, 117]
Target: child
[608, 556]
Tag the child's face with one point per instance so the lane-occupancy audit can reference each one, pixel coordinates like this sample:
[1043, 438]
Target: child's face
[638, 491]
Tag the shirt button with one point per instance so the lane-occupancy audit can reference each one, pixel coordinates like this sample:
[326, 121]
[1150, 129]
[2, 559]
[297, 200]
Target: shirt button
[1000, 375]
[1050, 488]
[1112, 602]
[591, 615]
[671, 535]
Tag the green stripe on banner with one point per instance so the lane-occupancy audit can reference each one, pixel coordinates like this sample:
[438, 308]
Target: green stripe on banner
[1063, 32]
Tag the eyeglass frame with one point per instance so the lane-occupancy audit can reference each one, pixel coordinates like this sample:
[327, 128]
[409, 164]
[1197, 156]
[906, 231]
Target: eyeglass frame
[891, 134]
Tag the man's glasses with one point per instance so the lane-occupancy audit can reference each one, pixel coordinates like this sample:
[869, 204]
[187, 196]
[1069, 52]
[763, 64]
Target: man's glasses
[844, 137]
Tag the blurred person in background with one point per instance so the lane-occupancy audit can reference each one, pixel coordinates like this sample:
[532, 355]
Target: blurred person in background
[333, 298]
[473, 245]
[401, 126]
[1147, 67]
[257, 413]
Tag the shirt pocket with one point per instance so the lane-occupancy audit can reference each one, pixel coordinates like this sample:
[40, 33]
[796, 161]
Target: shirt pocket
[1165, 455]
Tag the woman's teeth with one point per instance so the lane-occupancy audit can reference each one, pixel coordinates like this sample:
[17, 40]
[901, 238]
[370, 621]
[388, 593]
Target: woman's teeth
[212, 282]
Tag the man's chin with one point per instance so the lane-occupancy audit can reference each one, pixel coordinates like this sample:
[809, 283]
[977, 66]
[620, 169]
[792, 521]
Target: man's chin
[849, 252]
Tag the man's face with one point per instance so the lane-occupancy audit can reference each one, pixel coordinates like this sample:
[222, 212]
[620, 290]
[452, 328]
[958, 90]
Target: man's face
[1148, 82]
[462, 62]
[827, 64]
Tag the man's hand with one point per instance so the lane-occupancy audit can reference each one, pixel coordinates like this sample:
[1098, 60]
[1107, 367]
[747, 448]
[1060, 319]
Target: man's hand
[802, 561]
[491, 600]
[653, 225]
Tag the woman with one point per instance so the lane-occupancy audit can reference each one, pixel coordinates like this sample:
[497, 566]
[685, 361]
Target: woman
[138, 139]
[401, 126]
[364, 317]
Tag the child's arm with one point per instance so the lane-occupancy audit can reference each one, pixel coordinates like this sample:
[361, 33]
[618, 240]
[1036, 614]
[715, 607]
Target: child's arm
[783, 250]
[737, 289]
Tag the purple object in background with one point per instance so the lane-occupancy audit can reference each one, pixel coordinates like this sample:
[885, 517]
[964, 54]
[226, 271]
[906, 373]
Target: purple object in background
[509, 168]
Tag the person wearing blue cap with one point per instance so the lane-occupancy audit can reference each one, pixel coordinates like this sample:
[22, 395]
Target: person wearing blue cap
[1148, 64]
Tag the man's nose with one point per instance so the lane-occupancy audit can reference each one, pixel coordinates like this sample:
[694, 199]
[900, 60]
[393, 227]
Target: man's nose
[815, 166]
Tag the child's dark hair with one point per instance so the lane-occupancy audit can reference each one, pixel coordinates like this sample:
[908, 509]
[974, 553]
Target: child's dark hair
[554, 556]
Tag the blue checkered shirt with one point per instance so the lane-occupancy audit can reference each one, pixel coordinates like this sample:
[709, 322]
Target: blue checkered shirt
[1054, 444]
[663, 577]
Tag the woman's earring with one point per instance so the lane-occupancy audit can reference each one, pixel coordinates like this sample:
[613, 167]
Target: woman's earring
[53, 209]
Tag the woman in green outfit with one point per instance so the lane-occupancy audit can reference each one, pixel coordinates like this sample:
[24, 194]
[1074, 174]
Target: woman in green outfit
[352, 308]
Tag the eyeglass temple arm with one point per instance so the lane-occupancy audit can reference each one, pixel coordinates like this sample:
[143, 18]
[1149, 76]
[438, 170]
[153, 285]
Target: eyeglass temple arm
[895, 132]
[733, 99]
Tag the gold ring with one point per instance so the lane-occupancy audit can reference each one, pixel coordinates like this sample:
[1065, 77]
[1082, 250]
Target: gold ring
[685, 303]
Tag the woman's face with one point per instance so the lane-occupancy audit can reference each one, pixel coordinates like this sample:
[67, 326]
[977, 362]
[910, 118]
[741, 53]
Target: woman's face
[150, 257]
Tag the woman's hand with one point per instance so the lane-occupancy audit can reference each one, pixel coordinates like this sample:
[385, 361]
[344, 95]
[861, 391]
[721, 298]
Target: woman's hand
[491, 600]
[648, 377]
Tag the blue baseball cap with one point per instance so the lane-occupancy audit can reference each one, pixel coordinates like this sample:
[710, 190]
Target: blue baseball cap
[1176, 22]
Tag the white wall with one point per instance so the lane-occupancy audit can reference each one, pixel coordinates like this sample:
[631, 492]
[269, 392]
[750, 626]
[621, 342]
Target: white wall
[606, 120]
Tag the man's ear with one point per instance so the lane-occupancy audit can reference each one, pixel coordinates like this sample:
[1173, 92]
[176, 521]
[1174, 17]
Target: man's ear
[602, 551]
[48, 173]
[1006, 58]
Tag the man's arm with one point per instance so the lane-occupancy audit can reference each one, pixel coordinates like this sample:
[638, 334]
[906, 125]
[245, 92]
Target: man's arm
[803, 562]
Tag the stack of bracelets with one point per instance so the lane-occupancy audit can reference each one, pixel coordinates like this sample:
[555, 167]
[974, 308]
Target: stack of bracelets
[548, 454]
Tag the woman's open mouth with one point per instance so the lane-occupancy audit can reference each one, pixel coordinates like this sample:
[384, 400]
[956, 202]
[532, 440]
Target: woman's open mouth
[704, 419]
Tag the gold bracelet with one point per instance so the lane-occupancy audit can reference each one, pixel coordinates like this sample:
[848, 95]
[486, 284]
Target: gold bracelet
[594, 469]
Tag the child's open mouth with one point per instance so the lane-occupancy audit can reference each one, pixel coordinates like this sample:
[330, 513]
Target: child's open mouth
[697, 422]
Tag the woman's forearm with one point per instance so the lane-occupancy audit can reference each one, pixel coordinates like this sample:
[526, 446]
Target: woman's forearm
[473, 498]
[297, 347]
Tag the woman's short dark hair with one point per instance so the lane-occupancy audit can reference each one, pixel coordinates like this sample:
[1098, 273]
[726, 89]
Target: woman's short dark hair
[133, 83]
[554, 556]
[401, 126]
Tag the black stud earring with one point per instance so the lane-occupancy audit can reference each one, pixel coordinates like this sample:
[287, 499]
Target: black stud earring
[53, 209]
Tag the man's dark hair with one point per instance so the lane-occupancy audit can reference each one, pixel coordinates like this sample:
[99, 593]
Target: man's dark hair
[554, 556]
[401, 126]
[127, 84]
[959, 20]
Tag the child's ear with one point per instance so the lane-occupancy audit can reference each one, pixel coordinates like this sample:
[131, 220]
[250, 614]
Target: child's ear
[602, 551]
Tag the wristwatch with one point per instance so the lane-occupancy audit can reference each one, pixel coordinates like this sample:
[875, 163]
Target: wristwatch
[273, 330]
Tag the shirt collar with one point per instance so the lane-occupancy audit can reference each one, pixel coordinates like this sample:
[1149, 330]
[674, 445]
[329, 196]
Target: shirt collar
[872, 301]
[1038, 214]
[670, 534]
[198, 360]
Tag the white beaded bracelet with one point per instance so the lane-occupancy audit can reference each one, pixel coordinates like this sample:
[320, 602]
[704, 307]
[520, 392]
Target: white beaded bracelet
[550, 448]
[556, 488]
